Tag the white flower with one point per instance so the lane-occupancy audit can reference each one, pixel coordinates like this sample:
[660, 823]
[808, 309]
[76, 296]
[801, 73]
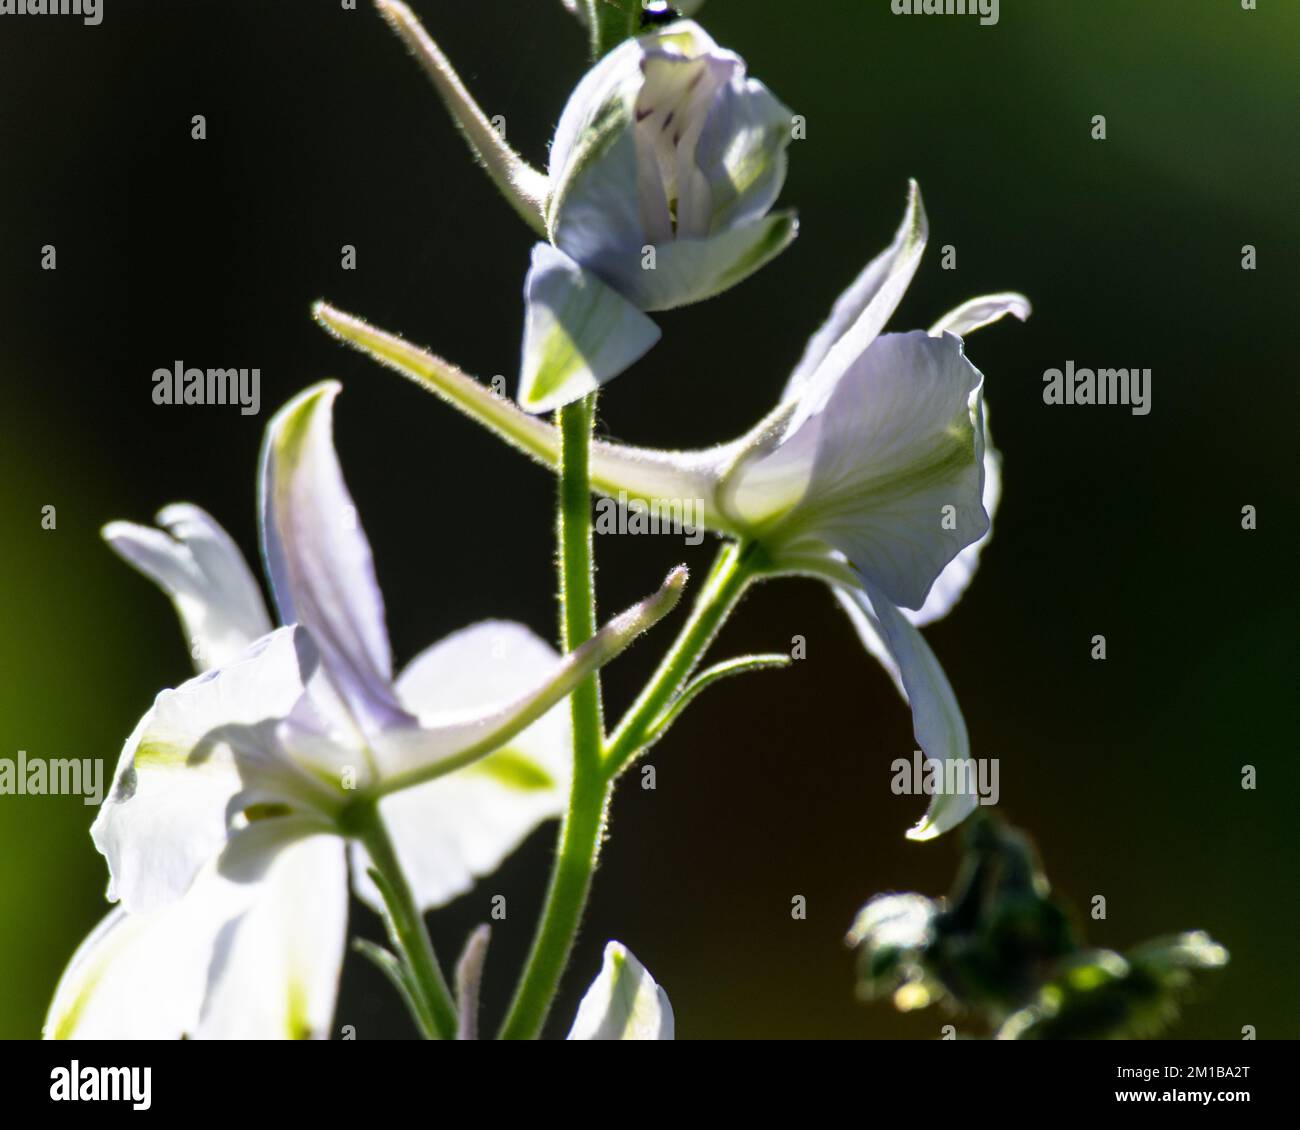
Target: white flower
[874, 473]
[222, 831]
[665, 164]
[623, 1003]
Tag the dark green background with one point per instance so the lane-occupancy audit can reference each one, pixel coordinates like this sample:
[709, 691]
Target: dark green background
[322, 132]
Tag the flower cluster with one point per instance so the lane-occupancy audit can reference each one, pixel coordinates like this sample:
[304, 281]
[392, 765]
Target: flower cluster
[226, 826]
[296, 765]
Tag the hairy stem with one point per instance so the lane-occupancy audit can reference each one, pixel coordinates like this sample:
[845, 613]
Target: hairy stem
[731, 575]
[406, 928]
[579, 842]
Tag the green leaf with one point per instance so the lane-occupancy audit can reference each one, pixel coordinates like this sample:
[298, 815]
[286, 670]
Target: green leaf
[705, 679]
[395, 973]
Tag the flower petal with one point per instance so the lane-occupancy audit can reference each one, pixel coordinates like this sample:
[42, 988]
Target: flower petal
[983, 311]
[594, 170]
[194, 561]
[228, 960]
[446, 742]
[937, 720]
[600, 113]
[319, 560]
[898, 476]
[623, 1003]
[613, 81]
[275, 969]
[166, 816]
[742, 153]
[672, 108]
[599, 215]
[862, 311]
[453, 830]
[691, 270]
[138, 976]
[666, 144]
[957, 575]
[578, 332]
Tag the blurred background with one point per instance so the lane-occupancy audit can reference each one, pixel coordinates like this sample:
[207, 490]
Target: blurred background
[322, 132]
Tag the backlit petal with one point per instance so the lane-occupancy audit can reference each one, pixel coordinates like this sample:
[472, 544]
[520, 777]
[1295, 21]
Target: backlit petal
[458, 828]
[937, 720]
[623, 1003]
[196, 563]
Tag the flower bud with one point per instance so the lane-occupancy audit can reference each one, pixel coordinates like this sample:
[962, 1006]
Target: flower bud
[665, 164]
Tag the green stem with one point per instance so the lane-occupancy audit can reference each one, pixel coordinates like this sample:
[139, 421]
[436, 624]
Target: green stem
[595, 762]
[578, 572]
[731, 575]
[580, 834]
[612, 21]
[406, 926]
[566, 899]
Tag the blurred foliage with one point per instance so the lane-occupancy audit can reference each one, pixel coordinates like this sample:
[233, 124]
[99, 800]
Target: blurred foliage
[1003, 947]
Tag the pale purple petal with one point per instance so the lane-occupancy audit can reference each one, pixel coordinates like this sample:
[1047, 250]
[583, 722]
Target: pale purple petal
[319, 560]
